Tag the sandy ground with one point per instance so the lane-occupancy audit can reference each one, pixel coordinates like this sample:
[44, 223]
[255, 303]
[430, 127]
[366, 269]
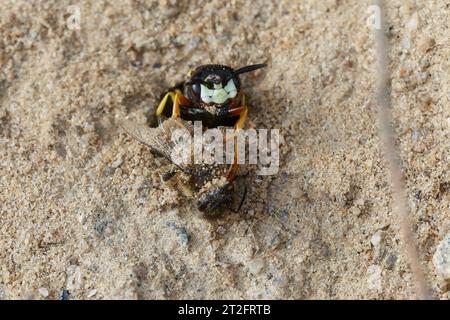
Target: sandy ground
[83, 208]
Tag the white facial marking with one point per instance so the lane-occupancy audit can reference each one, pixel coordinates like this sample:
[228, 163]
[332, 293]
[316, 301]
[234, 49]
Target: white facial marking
[206, 93]
[218, 95]
[231, 89]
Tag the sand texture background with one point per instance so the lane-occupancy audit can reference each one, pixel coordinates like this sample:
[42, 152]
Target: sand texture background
[83, 207]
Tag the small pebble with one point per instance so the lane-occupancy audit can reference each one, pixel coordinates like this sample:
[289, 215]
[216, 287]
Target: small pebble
[412, 24]
[441, 259]
[256, 266]
[73, 277]
[192, 44]
[424, 64]
[405, 43]
[43, 292]
[375, 240]
[114, 166]
[355, 211]
[184, 236]
[390, 262]
[402, 72]
[65, 294]
[415, 136]
[422, 76]
[288, 244]
[92, 293]
[221, 230]
[275, 241]
[426, 44]
[374, 277]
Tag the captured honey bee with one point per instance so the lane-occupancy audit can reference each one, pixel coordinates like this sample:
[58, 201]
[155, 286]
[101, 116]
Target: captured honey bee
[207, 183]
[213, 96]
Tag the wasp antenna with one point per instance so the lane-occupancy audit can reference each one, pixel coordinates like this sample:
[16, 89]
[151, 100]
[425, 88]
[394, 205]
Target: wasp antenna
[249, 68]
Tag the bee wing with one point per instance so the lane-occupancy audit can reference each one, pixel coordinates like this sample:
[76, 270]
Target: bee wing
[156, 139]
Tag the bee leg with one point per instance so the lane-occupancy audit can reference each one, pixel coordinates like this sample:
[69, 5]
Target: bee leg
[244, 195]
[169, 174]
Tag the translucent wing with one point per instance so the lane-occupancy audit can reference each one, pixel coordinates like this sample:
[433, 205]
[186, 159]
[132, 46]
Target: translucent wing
[159, 139]
[156, 139]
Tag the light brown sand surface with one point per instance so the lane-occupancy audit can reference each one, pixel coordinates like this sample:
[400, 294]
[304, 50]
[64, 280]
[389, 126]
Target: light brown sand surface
[83, 207]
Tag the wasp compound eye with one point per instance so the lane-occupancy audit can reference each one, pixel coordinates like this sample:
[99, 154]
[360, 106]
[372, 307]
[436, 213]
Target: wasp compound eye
[196, 89]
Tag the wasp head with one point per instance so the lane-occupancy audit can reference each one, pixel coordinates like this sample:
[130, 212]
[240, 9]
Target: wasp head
[216, 84]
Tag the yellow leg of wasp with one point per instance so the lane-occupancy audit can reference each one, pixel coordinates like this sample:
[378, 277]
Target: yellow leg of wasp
[176, 106]
[175, 96]
[241, 121]
[163, 103]
[231, 174]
